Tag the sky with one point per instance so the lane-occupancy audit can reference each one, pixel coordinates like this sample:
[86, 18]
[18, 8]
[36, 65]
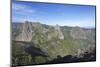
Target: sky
[52, 14]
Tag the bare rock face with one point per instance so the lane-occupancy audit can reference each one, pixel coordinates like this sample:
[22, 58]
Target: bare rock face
[87, 38]
[26, 34]
[78, 33]
[60, 34]
[56, 40]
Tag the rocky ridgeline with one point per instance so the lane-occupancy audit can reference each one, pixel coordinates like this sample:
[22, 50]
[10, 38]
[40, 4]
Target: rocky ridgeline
[27, 31]
[52, 39]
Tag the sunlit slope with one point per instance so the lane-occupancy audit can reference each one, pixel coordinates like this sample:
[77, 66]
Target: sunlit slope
[53, 40]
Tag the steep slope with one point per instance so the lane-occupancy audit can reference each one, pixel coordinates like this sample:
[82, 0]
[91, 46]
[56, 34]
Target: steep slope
[54, 40]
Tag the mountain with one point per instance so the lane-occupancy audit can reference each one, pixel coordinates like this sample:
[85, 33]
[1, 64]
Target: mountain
[53, 40]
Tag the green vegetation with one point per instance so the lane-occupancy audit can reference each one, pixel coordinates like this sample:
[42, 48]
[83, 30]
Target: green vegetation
[48, 40]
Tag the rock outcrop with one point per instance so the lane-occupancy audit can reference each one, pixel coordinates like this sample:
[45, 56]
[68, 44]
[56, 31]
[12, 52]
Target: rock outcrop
[60, 34]
[55, 40]
[78, 33]
[26, 33]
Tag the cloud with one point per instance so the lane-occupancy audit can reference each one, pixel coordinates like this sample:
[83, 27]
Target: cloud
[18, 6]
[22, 9]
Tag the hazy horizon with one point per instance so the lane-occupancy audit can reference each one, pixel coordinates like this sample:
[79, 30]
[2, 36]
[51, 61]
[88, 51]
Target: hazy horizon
[55, 24]
[52, 14]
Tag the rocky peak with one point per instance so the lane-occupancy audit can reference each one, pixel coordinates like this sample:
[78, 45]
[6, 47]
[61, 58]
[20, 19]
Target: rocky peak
[27, 32]
[60, 34]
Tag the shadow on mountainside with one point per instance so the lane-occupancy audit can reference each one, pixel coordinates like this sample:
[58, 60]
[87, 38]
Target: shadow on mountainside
[70, 59]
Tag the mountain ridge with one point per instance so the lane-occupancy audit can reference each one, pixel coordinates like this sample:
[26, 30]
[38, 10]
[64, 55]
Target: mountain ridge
[55, 40]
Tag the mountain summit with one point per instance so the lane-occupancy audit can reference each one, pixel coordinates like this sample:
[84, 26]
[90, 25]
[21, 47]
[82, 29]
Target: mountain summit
[54, 40]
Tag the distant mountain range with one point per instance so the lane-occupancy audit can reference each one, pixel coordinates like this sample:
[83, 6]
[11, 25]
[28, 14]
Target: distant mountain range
[54, 40]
